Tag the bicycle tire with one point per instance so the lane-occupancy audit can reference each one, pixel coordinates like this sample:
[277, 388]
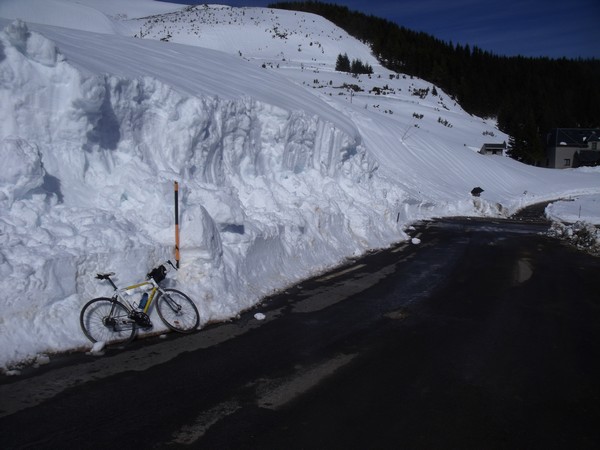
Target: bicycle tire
[107, 320]
[177, 311]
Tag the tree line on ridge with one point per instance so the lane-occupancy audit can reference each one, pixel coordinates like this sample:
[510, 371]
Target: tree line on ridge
[528, 96]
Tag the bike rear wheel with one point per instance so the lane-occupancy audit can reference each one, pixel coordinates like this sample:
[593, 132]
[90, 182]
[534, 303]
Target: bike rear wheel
[106, 320]
[177, 311]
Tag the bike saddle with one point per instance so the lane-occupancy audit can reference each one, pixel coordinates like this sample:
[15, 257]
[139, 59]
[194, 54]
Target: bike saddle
[104, 276]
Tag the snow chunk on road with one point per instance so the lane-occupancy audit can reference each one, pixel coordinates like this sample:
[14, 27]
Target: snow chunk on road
[97, 348]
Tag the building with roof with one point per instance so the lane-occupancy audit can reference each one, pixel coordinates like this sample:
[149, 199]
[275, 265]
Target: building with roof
[572, 147]
[493, 149]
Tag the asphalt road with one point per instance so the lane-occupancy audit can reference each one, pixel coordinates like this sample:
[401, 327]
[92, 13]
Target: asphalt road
[484, 335]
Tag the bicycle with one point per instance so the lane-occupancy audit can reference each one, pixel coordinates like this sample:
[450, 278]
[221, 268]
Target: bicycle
[116, 319]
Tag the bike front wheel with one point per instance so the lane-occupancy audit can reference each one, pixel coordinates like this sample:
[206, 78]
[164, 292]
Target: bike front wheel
[177, 311]
[106, 320]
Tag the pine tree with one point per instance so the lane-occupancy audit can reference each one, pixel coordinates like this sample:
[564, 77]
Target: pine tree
[343, 63]
[358, 67]
[524, 143]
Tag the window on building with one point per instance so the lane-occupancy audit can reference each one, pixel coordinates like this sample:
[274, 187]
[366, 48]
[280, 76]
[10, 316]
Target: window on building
[594, 146]
[567, 162]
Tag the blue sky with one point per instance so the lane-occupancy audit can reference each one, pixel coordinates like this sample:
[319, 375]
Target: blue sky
[553, 28]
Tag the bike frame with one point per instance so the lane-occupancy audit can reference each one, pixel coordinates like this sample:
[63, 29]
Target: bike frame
[119, 293]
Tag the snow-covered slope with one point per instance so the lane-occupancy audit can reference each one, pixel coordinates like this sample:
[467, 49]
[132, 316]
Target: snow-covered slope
[286, 167]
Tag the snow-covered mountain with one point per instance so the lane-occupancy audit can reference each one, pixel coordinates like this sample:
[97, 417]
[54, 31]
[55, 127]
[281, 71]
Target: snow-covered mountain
[286, 167]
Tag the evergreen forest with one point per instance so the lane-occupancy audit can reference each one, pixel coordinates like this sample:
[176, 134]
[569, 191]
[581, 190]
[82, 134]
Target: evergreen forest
[528, 96]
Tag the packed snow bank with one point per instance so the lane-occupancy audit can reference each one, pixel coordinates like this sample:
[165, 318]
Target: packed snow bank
[577, 220]
[584, 208]
[582, 235]
[269, 196]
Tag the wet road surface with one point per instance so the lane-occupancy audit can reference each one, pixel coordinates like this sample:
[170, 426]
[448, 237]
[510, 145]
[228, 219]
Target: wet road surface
[485, 335]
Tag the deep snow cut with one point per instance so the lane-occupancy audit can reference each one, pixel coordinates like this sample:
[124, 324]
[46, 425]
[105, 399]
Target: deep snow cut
[284, 170]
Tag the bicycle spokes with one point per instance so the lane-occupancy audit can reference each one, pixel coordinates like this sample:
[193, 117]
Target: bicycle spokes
[106, 320]
[177, 311]
[175, 307]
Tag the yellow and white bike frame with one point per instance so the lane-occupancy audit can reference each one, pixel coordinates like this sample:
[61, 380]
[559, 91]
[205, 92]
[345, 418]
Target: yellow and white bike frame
[120, 293]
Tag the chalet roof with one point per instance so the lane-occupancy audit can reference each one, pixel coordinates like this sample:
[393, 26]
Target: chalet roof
[573, 137]
[494, 145]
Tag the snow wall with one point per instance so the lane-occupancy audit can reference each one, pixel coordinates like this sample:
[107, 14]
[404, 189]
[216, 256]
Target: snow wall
[267, 197]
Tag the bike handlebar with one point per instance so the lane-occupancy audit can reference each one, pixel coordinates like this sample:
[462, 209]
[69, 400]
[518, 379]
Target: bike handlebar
[157, 274]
